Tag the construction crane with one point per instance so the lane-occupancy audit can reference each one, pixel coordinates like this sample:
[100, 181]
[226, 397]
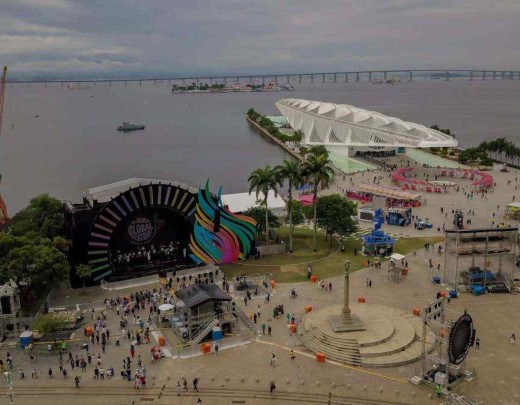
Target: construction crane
[3, 207]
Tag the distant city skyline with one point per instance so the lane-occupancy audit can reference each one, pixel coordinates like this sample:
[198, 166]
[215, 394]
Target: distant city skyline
[165, 38]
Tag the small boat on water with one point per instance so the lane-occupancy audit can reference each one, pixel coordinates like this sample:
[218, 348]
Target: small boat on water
[127, 126]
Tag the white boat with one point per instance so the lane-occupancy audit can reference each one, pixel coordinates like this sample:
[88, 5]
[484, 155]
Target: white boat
[127, 126]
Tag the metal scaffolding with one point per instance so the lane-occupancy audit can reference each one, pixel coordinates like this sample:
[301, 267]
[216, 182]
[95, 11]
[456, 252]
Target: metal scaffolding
[481, 258]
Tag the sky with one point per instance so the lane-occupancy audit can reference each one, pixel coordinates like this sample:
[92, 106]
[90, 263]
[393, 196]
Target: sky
[111, 38]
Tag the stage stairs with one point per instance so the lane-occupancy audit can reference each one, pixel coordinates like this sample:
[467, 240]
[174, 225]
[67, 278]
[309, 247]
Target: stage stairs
[249, 323]
[205, 331]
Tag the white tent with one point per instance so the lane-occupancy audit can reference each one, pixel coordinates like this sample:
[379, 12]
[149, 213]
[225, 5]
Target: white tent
[241, 202]
[165, 307]
[397, 256]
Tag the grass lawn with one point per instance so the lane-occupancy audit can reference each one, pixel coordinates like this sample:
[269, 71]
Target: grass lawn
[326, 262]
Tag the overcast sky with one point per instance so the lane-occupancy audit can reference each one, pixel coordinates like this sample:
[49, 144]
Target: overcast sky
[107, 37]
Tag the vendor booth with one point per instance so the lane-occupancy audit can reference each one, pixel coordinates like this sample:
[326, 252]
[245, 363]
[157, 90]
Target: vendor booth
[377, 243]
[513, 211]
[399, 216]
[394, 197]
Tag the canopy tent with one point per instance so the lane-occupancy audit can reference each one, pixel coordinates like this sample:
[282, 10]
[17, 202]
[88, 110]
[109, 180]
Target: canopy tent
[307, 199]
[513, 211]
[165, 307]
[397, 256]
[241, 202]
[389, 192]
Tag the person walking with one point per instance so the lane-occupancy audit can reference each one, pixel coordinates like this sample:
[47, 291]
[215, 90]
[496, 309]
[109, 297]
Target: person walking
[438, 390]
[269, 330]
[199, 401]
[477, 343]
[215, 348]
[76, 381]
[185, 384]
[50, 372]
[272, 387]
[178, 388]
[132, 351]
[272, 363]
[195, 384]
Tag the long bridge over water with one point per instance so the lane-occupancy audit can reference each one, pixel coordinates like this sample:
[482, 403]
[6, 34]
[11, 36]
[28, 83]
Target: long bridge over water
[320, 77]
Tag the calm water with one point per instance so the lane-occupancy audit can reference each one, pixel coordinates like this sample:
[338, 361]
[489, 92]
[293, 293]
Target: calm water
[73, 144]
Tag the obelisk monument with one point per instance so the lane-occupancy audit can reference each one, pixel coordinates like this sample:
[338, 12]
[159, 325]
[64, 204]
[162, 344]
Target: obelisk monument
[346, 322]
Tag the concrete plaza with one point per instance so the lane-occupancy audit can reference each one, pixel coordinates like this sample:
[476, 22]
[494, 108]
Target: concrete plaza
[242, 374]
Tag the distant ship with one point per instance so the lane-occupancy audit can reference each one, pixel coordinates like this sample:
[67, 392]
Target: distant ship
[127, 126]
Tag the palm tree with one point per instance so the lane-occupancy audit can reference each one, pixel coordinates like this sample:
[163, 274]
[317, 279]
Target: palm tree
[291, 171]
[263, 181]
[318, 170]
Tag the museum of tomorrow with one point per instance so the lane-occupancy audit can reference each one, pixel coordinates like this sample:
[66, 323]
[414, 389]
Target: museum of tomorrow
[347, 129]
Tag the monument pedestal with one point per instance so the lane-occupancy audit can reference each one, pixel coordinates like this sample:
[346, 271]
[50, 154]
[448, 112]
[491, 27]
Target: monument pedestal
[345, 323]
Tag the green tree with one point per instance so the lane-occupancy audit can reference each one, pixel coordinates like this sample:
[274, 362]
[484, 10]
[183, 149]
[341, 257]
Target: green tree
[83, 271]
[44, 215]
[61, 244]
[298, 214]
[303, 151]
[290, 171]
[262, 181]
[335, 215]
[258, 214]
[319, 172]
[319, 150]
[50, 324]
[39, 266]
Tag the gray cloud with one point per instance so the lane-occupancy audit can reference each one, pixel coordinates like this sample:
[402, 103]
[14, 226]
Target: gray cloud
[247, 36]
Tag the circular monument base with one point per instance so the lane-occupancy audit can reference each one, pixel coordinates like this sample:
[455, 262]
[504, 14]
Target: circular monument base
[390, 337]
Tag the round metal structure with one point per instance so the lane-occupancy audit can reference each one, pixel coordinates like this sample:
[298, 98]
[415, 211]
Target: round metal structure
[142, 215]
[461, 339]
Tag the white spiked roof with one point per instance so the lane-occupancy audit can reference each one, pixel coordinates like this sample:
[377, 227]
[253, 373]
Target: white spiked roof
[343, 124]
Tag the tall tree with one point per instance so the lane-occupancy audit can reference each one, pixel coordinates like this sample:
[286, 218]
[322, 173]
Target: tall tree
[44, 215]
[258, 214]
[335, 215]
[262, 181]
[83, 271]
[290, 171]
[319, 150]
[319, 172]
[38, 266]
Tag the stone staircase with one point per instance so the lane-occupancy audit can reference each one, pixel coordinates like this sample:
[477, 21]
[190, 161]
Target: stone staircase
[335, 348]
[392, 338]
